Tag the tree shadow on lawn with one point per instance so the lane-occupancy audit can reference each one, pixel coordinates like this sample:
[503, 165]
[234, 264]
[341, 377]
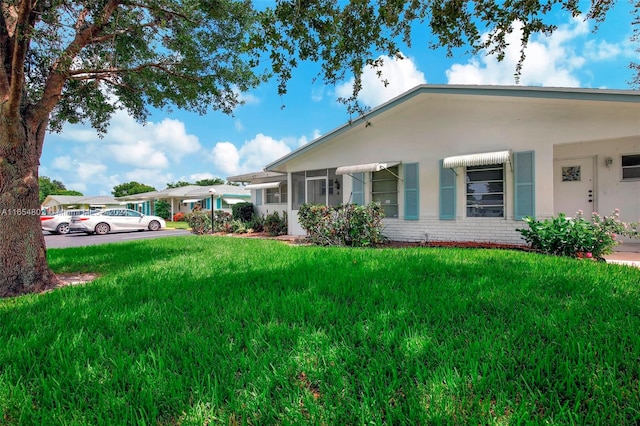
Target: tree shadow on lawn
[361, 301]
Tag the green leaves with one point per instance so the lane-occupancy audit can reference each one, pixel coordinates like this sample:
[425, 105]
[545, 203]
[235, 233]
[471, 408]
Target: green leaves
[577, 237]
[345, 225]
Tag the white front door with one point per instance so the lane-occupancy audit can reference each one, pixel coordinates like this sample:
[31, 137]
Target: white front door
[574, 186]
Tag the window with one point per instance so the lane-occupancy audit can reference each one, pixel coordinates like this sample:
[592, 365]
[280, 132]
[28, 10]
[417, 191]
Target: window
[321, 187]
[631, 167]
[384, 190]
[277, 195]
[485, 191]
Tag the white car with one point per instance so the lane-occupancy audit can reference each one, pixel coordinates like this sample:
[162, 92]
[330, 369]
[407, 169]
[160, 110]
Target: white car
[116, 220]
[58, 222]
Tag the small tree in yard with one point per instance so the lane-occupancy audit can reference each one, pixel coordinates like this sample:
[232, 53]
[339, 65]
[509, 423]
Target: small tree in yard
[80, 61]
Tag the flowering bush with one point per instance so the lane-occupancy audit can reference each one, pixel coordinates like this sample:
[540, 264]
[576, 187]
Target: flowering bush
[222, 221]
[345, 225]
[199, 221]
[275, 225]
[578, 237]
[178, 217]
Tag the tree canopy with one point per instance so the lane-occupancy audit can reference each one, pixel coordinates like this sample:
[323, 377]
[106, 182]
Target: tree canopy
[53, 187]
[201, 182]
[131, 188]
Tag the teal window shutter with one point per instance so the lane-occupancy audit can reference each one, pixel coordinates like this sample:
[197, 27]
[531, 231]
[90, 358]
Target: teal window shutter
[447, 193]
[258, 197]
[411, 192]
[524, 183]
[357, 190]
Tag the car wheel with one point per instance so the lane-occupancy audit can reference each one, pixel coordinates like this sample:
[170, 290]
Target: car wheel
[102, 228]
[154, 225]
[63, 228]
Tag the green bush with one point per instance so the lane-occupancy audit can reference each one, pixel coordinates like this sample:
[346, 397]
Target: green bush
[238, 227]
[199, 221]
[275, 225]
[162, 208]
[242, 211]
[256, 224]
[221, 220]
[578, 237]
[344, 225]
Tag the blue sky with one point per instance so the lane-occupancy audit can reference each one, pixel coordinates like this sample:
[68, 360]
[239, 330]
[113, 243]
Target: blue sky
[181, 146]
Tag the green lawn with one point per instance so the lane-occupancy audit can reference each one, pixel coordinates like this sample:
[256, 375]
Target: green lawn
[177, 225]
[217, 330]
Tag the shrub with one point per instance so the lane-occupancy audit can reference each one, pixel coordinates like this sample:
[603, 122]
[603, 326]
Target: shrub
[238, 227]
[162, 208]
[275, 225]
[256, 224]
[178, 217]
[199, 221]
[242, 211]
[221, 220]
[578, 237]
[347, 225]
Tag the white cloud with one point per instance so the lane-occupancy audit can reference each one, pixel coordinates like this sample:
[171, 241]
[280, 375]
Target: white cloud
[194, 177]
[142, 154]
[603, 50]
[226, 157]
[62, 163]
[86, 171]
[550, 61]
[78, 186]
[251, 156]
[246, 98]
[400, 74]
[303, 140]
[154, 178]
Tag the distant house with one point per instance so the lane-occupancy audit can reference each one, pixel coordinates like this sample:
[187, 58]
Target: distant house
[468, 163]
[185, 198]
[54, 203]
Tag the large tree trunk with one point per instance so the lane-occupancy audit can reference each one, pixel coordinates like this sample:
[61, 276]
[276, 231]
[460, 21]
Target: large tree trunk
[23, 261]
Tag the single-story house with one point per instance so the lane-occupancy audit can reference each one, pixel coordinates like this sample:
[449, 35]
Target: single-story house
[185, 198]
[54, 203]
[469, 163]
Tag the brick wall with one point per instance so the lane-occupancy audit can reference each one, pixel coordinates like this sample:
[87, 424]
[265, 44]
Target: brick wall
[502, 231]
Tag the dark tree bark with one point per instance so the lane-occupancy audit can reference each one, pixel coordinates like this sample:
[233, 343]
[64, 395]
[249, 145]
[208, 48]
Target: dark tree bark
[23, 261]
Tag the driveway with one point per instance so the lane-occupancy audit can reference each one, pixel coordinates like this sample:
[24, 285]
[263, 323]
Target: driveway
[80, 239]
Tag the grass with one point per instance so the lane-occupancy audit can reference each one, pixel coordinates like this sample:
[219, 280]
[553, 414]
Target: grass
[215, 330]
[177, 225]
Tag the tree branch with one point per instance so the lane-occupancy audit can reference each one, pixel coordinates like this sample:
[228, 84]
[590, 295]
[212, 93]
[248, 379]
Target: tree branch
[21, 39]
[60, 69]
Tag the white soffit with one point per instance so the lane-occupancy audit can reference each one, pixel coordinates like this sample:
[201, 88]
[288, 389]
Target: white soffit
[361, 168]
[192, 200]
[483, 159]
[268, 185]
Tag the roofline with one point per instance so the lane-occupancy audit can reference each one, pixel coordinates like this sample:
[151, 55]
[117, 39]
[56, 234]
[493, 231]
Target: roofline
[569, 93]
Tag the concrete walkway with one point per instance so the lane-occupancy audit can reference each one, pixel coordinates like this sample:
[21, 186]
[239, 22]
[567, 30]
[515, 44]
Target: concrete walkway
[625, 254]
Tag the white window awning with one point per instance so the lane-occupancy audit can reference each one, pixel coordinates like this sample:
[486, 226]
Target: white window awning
[192, 200]
[124, 203]
[483, 159]
[267, 185]
[360, 168]
[232, 201]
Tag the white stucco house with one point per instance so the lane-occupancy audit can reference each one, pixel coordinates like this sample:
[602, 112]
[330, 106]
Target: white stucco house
[185, 198]
[468, 163]
[54, 203]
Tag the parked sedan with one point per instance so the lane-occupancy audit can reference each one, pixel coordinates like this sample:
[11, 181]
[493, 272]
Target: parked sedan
[58, 222]
[116, 220]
